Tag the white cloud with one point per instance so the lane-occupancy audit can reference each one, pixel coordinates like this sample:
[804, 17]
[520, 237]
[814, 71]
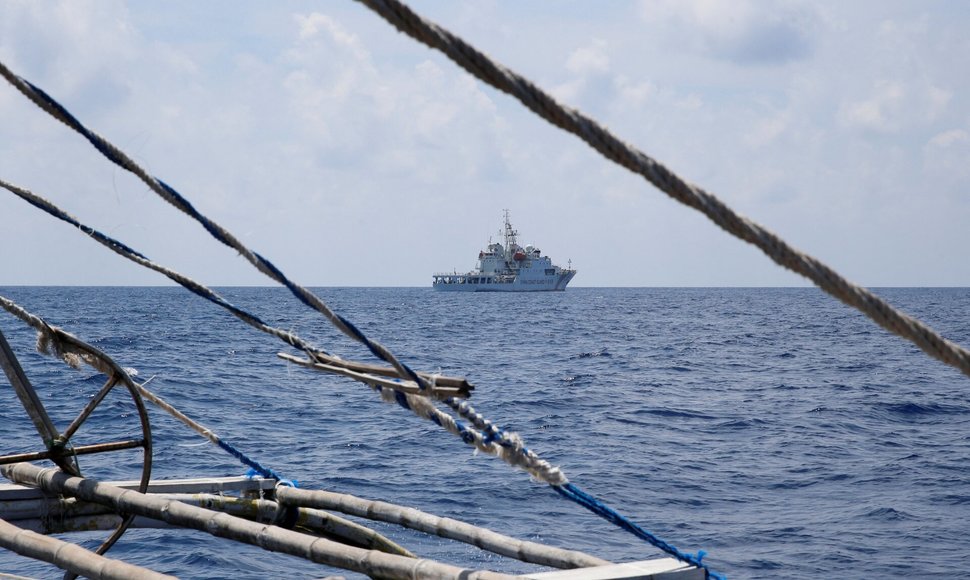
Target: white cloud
[589, 60]
[569, 91]
[316, 26]
[690, 102]
[632, 94]
[68, 43]
[949, 138]
[892, 106]
[937, 100]
[743, 31]
[766, 131]
[335, 114]
[881, 111]
[946, 156]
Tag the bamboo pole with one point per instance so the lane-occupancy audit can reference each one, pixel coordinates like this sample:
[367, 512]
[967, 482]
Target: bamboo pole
[268, 537]
[56, 515]
[71, 557]
[313, 520]
[104, 521]
[460, 383]
[47, 508]
[405, 386]
[445, 527]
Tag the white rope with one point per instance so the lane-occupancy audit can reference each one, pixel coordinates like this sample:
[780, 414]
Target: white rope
[509, 448]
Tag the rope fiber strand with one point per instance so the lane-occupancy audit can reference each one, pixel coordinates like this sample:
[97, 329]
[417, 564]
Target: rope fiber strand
[599, 138]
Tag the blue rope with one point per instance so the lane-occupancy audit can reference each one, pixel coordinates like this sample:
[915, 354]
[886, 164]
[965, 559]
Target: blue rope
[132, 254]
[359, 335]
[255, 466]
[575, 494]
[179, 201]
[568, 490]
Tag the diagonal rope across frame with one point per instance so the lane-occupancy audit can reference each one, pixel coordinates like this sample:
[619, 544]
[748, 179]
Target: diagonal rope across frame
[500, 443]
[602, 140]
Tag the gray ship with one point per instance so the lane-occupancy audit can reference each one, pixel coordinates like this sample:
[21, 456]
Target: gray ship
[508, 267]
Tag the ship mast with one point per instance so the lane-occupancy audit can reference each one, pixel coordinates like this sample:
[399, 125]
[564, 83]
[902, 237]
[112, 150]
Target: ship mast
[510, 234]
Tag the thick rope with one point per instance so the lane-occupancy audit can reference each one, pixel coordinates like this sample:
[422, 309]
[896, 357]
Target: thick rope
[166, 192]
[508, 446]
[611, 147]
[49, 342]
[131, 254]
[599, 508]
[195, 287]
[513, 452]
[211, 435]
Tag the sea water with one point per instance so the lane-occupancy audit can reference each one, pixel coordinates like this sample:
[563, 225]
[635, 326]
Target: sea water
[777, 429]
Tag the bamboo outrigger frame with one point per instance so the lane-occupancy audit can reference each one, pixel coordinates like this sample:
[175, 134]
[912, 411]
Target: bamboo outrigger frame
[272, 516]
[262, 512]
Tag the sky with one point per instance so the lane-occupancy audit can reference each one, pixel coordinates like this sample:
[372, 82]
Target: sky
[350, 155]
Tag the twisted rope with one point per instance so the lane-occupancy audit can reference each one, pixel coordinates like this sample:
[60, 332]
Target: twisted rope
[573, 493]
[196, 288]
[135, 256]
[497, 442]
[169, 194]
[599, 138]
[509, 446]
[211, 435]
[50, 341]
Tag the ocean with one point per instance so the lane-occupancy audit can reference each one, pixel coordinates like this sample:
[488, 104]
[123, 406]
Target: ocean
[776, 429]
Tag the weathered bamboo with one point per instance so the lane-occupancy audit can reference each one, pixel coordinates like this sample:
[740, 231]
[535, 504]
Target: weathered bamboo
[268, 537]
[104, 521]
[213, 485]
[314, 520]
[445, 527]
[47, 508]
[460, 383]
[55, 515]
[71, 557]
[405, 386]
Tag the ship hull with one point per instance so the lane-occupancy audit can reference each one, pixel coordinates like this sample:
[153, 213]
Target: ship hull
[507, 267]
[465, 283]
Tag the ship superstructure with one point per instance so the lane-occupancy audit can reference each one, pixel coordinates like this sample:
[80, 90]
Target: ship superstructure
[508, 267]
